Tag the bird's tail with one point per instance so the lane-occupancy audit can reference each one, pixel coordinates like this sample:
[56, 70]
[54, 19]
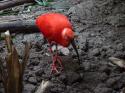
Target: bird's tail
[74, 46]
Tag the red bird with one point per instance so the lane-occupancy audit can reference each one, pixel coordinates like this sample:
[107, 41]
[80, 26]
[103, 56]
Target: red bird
[57, 29]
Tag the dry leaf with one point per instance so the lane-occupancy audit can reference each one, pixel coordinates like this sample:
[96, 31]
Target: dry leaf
[117, 61]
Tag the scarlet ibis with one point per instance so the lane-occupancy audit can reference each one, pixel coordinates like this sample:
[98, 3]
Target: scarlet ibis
[57, 29]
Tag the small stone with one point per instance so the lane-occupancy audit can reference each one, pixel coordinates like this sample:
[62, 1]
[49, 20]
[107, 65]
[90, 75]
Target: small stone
[32, 80]
[103, 77]
[57, 88]
[34, 61]
[87, 66]
[95, 52]
[29, 88]
[62, 77]
[36, 68]
[72, 77]
[61, 49]
[105, 69]
[39, 72]
[102, 89]
[112, 81]
[65, 51]
[120, 47]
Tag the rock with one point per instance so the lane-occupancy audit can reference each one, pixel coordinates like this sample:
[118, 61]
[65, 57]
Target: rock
[18, 38]
[57, 88]
[65, 51]
[34, 61]
[62, 50]
[62, 5]
[70, 64]
[36, 68]
[94, 78]
[118, 81]
[112, 81]
[29, 88]
[95, 52]
[102, 89]
[110, 52]
[34, 55]
[120, 47]
[86, 12]
[32, 37]
[74, 90]
[105, 69]
[39, 45]
[39, 72]
[103, 77]
[63, 78]
[32, 80]
[72, 77]
[117, 20]
[39, 79]
[86, 65]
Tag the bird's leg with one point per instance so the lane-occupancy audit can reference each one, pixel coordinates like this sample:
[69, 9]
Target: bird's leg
[58, 58]
[74, 46]
[54, 67]
[52, 53]
[50, 48]
[57, 61]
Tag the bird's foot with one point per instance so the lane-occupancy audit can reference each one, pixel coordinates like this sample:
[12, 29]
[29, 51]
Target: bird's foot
[57, 66]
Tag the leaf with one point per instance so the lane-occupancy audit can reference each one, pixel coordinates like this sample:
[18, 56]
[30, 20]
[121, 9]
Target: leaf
[15, 76]
[26, 56]
[8, 41]
[43, 86]
[42, 3]
[117, 61]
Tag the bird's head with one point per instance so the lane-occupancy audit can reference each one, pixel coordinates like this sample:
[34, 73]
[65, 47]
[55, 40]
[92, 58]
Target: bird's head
[68, 35]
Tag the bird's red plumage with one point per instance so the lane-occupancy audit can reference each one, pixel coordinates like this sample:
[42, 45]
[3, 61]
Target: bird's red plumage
[51, 25]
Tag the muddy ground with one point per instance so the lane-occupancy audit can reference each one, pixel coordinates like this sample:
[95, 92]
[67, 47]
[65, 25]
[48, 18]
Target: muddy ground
[100, 25]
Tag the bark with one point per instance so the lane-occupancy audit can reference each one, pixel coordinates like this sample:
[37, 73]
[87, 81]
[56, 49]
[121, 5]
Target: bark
[12, 3]
[17, 24]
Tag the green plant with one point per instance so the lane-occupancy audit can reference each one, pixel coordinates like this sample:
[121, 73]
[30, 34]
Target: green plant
[44, 2]
[12, 76]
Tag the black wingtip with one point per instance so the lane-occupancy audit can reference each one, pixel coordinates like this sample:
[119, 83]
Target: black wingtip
[74, 46]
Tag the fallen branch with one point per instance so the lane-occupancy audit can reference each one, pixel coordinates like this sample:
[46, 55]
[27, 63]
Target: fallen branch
[12, 3]
[16, 23]
[20, 26]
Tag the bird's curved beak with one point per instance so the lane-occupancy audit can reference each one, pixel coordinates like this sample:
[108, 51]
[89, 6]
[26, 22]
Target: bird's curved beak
[75, 48]
[75, 36]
